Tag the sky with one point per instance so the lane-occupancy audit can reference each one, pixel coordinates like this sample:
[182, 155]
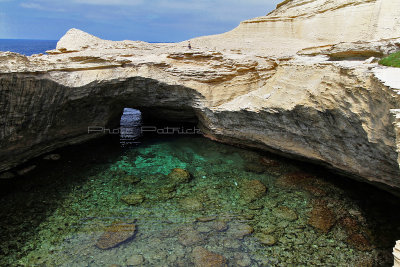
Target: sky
[145, 20]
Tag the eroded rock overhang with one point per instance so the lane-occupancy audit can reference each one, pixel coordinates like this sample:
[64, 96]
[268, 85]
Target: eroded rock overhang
[313, 99]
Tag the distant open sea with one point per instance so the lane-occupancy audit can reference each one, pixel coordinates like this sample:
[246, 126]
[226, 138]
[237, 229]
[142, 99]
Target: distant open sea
[27, 47]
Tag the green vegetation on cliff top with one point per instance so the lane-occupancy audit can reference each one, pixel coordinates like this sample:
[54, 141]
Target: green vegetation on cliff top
[392, 60]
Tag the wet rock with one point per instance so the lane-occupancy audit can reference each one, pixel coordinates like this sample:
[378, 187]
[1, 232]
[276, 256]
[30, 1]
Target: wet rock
[285, 213]
[133, 199]
[135, 260]
[204, 258]
[179, 176]
[191, 204]
[7, 175]
[131, 179]
[239, 231]
[52, 157]
[26, 170]
[265, 239]
[254, 167]
[251, 190]
[322, 217]
[359, 241]
[116, 234]
[189, 237]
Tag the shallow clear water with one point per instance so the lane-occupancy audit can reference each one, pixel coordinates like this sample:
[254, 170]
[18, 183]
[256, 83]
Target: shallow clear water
[56, 215]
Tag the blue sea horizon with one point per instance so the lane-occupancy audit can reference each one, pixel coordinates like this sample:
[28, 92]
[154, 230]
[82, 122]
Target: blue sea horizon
[27, 47]
[30, 47]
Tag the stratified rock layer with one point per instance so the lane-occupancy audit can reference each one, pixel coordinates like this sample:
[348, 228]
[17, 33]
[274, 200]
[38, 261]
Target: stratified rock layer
[300, 81]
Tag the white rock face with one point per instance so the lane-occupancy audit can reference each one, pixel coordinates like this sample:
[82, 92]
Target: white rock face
[300, 82]
[396, 254]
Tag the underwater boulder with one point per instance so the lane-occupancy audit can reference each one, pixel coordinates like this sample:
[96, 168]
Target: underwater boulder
[116, 234]
[285, 213]
[251, 190]
[179, 176]
[322, 217]
[205, 258]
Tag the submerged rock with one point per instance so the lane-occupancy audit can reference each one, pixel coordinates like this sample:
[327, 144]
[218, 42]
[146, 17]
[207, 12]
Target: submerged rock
[133, 199]
[359, 241]
[322, 217]
[191, 204]
[285, 213]
[179, 176]
[168, 188]
[251, 190]
[304, 181]
[135, 260]
[240, 230]
[188, 236]
[205, 258]
[220, 225]
[266, 239]
[116, 234]
[356, 235]
[242, 260]
[254, 167]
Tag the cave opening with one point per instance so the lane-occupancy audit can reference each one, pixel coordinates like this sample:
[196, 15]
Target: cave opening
[130, 127]
[136, 125]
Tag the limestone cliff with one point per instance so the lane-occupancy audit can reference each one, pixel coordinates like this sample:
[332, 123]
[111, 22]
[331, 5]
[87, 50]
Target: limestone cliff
[299, 81]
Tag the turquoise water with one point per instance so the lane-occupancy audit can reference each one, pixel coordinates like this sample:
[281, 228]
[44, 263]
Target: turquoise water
[58, 214]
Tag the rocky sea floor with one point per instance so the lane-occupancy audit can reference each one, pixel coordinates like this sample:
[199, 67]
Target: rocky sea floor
[189, 201]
